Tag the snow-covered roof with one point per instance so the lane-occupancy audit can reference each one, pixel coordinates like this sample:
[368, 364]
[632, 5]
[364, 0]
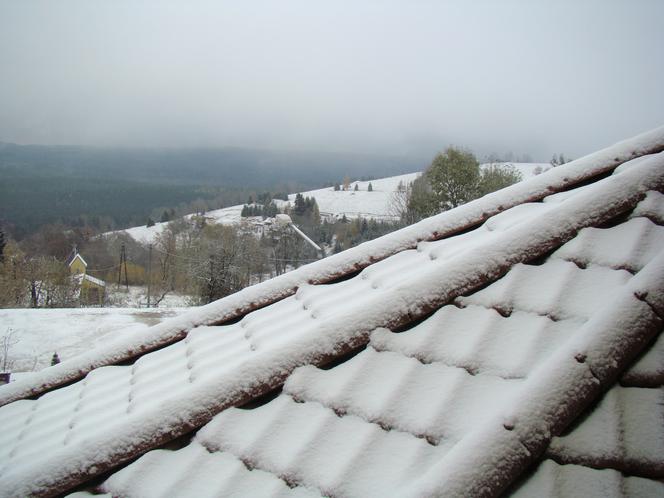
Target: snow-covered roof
[73, 256]
[479, 337]
[94, 280]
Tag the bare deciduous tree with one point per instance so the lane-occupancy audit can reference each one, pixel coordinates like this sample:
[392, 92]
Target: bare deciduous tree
[8, 340]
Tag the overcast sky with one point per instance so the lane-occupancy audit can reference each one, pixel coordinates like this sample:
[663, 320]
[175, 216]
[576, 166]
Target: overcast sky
[395, 77]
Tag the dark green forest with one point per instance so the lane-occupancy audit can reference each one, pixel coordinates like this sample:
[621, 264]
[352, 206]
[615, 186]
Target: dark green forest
[120, 187]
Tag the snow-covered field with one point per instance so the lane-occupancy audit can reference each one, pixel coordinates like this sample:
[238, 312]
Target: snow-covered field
[37, 333]
[331, 203]
[353, 204]
[136, 297]
[527, 170]
[145, 235]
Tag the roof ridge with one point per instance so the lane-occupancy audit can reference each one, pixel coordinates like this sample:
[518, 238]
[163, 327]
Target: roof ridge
[251, 298]
[555, 395]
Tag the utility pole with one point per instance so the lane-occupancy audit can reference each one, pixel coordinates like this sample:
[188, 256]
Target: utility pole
[149, 271]
[123, 263]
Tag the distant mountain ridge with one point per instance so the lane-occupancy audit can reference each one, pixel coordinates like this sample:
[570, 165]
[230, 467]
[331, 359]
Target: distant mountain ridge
[44, 184]
[221, 166]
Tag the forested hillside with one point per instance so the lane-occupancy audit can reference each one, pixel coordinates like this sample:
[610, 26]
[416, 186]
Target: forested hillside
[112, 188]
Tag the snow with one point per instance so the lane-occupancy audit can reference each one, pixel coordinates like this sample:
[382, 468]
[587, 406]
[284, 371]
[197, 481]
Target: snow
[79, 257]
[527, 170]
[629, 184]
[552, 480]
[625, 429]
[307, 239]
[352, 413]
[435, 401]
[71, 331]
[480, 340]
[353, 204]
[94, 280]
[652, 207]
[649, 369]
[551, 396]
[334, 204]
[340, 456]
[570, 293]
[376, 204]
[187, 382]
[630, 245]
[148, 235]
[195, 472]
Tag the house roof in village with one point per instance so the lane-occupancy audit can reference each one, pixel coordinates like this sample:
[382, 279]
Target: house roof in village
[488, 348]
[73, 255]
[94, 280]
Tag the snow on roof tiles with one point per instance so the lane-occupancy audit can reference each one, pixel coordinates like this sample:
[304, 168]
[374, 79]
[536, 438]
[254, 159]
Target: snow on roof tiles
[484, 417]
[430, 402]
[624, 432]
[552, 480]
[352, 260]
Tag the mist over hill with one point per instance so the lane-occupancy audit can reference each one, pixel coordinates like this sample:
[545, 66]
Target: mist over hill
[46, 184]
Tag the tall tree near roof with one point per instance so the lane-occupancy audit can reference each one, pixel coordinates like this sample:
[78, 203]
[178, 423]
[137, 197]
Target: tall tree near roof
[454, 176]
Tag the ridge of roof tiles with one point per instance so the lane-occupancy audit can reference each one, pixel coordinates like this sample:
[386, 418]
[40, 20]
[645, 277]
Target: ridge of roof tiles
[51, 444]
[463, 402]
[347, 262]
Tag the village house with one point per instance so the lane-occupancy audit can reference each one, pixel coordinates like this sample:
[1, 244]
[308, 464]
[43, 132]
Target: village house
[91, 290]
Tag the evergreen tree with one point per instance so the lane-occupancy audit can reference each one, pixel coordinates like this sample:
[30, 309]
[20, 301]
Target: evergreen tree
[165, 216]
[370, 188]
[300, 205]
[336, 187]
[55, 359]
[150, 223]
[356, 187]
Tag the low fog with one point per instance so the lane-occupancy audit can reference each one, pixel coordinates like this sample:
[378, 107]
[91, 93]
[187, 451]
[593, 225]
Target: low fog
[378, 77]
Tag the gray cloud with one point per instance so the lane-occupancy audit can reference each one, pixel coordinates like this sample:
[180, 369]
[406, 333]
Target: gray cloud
[393, 77]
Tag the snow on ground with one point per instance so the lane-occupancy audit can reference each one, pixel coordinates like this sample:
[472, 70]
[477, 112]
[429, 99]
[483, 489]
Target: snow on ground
[145, 235]
[376, 204]
[334, 204]
[38, 333]
[353, 204]
[527, 170]
[136, 297]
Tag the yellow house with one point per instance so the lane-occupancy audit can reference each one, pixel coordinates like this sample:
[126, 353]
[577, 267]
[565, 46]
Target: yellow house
[92, 290]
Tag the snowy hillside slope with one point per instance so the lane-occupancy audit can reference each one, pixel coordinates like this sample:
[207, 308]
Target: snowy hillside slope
[334, 204]
[374, 204]
[146, 235]
[527, 170]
